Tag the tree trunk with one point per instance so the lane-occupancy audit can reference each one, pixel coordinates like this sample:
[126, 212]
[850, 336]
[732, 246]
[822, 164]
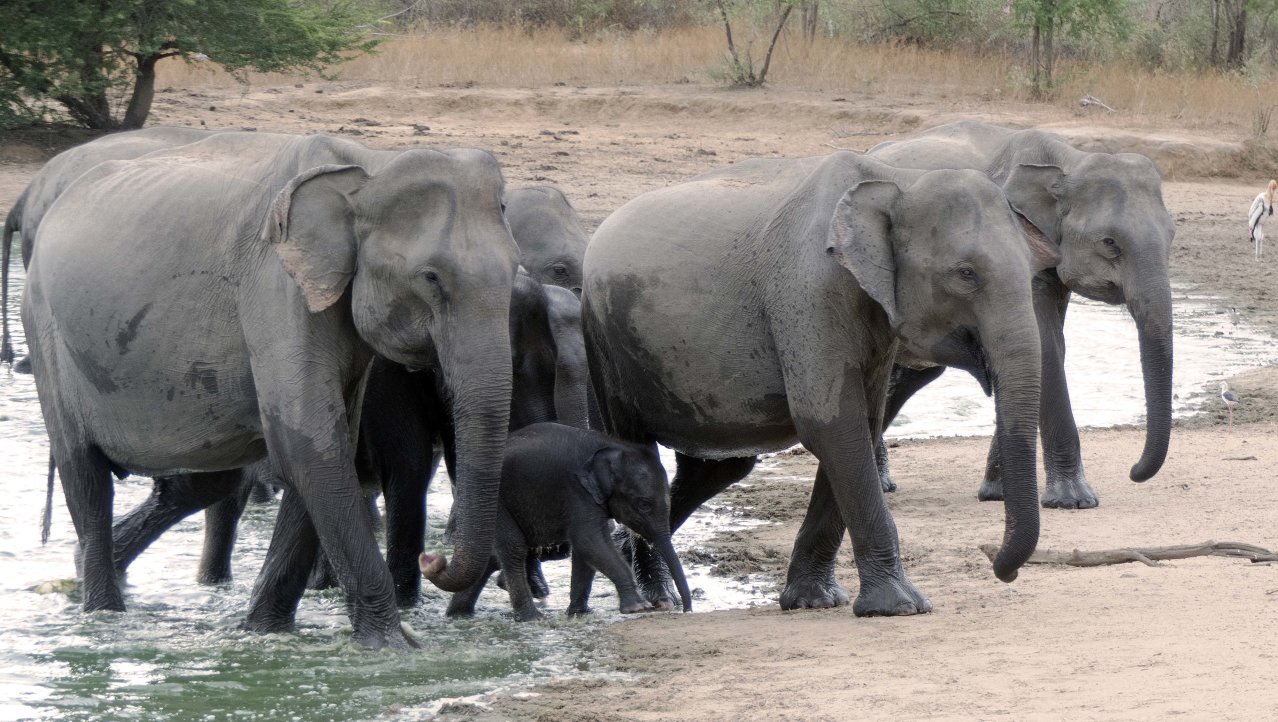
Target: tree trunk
[1236, 54]
[1035, 60]
[1049, 52]
[1213, 57]
[811, 19]
[763, 72]
[143, 93]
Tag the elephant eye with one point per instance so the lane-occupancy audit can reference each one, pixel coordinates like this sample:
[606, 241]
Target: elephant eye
[430, 275]
[1111, 247]
[560, 269]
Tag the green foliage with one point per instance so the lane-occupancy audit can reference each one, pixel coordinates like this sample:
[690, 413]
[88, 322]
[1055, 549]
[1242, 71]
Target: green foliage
[82, 53]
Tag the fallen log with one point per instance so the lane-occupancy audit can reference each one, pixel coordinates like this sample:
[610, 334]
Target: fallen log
[1149, 556]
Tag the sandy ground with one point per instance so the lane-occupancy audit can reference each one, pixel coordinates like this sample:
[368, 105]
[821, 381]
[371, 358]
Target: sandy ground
[1196, 638]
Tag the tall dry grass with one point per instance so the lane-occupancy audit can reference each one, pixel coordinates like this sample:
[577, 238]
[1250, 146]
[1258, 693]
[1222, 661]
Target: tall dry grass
[513, 57]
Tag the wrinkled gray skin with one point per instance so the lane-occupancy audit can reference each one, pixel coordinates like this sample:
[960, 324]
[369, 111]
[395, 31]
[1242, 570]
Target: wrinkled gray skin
[762, 305]
[405, 429]
[56, 175]
[563, 484]
[1105, 212]
[550, 237]
[275, 270]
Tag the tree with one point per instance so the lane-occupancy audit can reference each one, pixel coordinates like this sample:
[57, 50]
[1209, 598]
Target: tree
[742, 69]
[79, 53]
[1046, 18]
[1233, 14]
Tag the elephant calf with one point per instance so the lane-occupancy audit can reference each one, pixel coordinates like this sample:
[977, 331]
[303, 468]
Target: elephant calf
[563, 484]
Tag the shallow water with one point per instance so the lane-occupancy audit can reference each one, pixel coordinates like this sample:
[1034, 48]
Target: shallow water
[1102, 366]
[176, 654]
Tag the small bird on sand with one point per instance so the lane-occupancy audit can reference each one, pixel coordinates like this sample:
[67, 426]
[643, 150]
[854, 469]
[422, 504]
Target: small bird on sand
[1233, 315]
[1231, 400]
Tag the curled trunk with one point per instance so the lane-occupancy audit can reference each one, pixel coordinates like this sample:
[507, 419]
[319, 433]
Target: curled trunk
[478, 376]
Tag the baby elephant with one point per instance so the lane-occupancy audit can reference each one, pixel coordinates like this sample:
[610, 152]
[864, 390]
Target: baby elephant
[563, 484]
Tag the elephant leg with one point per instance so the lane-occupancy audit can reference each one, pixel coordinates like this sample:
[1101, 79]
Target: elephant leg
[592, 545]
[905, 382]
[844, 445]
[221, 520]
[172, 499]
[536, 579]
[282, 581]
[696, 481]
[810, 582]
[513, 552]
[583, 577]
[90, 492]
[260, 493]
[1067, 486]
[404, 491]
[463, 603]
[322, 575]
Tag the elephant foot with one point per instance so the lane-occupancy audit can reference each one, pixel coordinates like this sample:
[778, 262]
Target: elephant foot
[991, 490]
[890, 596]
[814, 593]
[576, 611]
[407, 598]
[887, 482]
[104, 602]
[660, 594]
[394, 638]
[1074, 493]
[258, 624]
[529, 615]
[637, 608]
[536, 584]
[23, 365]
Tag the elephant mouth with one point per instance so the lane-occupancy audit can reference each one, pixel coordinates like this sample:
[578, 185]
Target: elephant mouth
[962, 349]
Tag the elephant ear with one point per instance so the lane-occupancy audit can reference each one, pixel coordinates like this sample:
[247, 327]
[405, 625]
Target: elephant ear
[1036, 191]
[1043, 253]
[599, 476]
[311, 226]
[860, 240]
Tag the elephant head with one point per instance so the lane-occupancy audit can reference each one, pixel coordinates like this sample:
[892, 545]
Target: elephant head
[424, 252]
[1105, 212]
[551, 240]
[630, 481]
[951, 264]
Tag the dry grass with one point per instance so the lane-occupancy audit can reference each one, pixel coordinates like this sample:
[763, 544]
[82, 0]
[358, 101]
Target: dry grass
[518, 58]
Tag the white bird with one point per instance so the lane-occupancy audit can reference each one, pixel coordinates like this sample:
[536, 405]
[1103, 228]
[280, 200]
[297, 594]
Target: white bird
[1231, 400]
[1261, 207]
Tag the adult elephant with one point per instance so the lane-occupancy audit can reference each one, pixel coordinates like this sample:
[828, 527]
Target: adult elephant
[406, 427]
[1105, 212]
[56, 175]
[761, 305]
[279, 268]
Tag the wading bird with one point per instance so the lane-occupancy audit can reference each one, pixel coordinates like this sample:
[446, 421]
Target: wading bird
[1231, 400]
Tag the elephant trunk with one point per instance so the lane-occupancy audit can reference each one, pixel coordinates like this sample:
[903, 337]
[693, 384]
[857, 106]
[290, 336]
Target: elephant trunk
[1014, 358]
[1150, 305]
[666, 549]
[477, 375]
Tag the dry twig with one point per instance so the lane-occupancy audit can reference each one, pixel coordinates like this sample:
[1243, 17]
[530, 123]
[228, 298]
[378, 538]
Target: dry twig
[1149, 556]
[1087, 100]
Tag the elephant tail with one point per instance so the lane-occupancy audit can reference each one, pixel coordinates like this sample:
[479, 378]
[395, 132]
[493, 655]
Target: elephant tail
[46, 522]
[11, 225]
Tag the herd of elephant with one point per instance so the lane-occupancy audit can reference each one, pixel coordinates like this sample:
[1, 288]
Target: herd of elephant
[219, 310]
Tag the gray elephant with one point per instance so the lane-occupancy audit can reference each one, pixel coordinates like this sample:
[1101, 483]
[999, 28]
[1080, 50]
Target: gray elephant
[276, 269]
[762, 305]
[549, 233]
[56, 175]
[406, 427]
[1105, 212]
[561, 484]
